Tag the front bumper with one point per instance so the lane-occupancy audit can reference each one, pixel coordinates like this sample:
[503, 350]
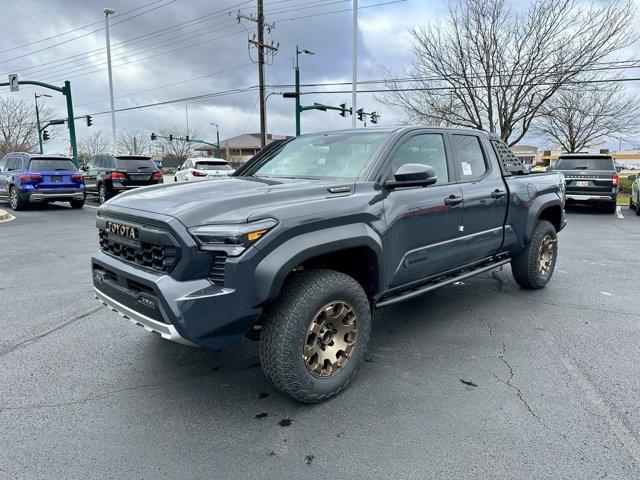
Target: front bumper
[192, 312]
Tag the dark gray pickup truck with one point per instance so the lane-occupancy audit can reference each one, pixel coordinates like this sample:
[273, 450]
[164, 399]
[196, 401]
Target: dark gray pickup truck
[590, 179]
[307, 239]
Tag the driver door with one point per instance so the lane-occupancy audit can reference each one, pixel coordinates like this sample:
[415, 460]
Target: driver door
[423, 222]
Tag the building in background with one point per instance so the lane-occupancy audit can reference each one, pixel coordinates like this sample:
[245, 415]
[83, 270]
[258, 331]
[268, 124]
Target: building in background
[526, 153]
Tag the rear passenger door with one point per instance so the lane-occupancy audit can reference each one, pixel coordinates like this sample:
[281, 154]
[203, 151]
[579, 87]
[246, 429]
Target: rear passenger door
[90, 174]
[484, 196]
[423, 223]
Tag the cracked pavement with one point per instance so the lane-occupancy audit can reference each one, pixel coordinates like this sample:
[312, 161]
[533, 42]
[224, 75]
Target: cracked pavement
[476, 380]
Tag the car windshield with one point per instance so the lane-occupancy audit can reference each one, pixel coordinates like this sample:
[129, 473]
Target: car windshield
[212, 166]
[135, 163]
[584, 163]
[51, 164]
[342, 155]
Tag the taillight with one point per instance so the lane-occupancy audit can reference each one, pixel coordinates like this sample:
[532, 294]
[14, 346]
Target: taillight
[157, 175]
[76, 177]
[30, 177]
[616, 180]
[116, 176]
[195, 173]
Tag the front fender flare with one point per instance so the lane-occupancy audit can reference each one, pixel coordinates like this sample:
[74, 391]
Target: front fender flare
[272, 271]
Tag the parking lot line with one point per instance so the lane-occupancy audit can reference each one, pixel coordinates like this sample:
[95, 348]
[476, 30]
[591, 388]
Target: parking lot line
[619, 212]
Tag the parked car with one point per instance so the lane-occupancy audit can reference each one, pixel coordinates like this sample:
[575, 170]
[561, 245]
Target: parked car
[303, 242]
[27, 178]
[107, 175]
[202, 169]
[634, 198]
[591, 179]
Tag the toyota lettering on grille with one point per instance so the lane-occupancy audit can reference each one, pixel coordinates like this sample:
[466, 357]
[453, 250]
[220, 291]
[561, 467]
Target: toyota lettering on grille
[122, 230]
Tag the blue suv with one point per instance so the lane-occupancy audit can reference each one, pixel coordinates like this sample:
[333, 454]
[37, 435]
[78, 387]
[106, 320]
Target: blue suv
[36, 178]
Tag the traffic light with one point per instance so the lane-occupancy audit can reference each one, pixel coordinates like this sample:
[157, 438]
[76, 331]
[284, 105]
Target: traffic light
[374, 117]
[89, 120]
[360, 113]
[154, 136]
[186, 138]
[171, 137]
[45, 135]
[343, 106]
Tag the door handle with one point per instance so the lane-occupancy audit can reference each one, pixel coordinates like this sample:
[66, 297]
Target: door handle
[498, 193]
[452, 200]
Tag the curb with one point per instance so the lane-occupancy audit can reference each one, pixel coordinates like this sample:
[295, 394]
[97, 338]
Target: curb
[5, 217]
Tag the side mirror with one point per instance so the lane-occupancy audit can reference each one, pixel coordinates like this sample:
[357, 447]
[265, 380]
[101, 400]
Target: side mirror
[632, 177]
[413, 175]
[548, 169]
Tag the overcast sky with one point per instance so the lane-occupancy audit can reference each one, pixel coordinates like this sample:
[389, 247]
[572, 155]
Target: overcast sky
[207, 54]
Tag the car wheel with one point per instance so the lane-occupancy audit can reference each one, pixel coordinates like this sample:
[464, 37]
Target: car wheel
[612, 207]
[15, 201]
[103, 196]
[533, 267]
[315, 335]
[638, 205]
[77, 203]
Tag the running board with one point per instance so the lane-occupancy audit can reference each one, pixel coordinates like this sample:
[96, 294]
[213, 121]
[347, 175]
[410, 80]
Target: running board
[448, 281]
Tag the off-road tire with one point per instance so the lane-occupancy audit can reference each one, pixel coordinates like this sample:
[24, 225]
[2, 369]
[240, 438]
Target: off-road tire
[526, 265]
[15, 201]
[286, 328]
[77, 203]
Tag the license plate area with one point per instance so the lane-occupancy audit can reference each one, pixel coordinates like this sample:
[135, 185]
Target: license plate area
[56, 178]
[139, 176]
[582, 183]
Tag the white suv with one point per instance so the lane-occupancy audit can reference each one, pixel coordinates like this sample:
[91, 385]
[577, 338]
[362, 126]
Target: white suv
[202, 168]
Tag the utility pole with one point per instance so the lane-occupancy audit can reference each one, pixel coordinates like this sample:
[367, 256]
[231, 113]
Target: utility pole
[107, 12]
[260, 44]
[355, 62]
[217, 139]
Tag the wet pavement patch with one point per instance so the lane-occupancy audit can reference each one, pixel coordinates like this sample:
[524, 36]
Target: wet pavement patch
[285, 422]
[261, 415]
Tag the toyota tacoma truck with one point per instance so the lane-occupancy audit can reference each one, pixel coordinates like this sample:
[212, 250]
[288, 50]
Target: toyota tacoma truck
[301, 244]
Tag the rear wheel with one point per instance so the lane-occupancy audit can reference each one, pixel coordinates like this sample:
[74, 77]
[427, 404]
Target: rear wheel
[15, 201]
[611, 207]
[534, 267]
[315, 335]
[77, 203]
[103, 196]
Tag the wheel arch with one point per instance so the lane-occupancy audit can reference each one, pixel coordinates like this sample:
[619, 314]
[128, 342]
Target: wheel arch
[355, 250]
[546, 207]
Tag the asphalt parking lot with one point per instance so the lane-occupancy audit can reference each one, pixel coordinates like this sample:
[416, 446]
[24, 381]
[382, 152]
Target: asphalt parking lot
[476, 380]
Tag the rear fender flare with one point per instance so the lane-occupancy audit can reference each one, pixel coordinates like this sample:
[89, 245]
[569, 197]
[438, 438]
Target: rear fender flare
[273, 270]
[539, 205]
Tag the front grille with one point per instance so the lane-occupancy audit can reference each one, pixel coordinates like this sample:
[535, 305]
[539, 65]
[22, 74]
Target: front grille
[216, 273]
[157, 257]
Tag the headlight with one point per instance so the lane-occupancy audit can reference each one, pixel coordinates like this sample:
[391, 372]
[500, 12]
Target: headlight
[232, 238]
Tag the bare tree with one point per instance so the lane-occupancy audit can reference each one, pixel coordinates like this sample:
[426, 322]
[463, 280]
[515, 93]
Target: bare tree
[491, 69]
[133, 142]
[18, 127]
[92, 145]
[179, 149]
[578, 116]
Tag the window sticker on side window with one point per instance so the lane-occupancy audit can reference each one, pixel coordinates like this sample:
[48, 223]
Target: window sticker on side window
[466, 169]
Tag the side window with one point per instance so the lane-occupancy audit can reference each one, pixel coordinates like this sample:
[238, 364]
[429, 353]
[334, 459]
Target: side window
[3, 164]
[468, 157]
[108, 162]
[426, 149]
[11, 164]
[91, 163]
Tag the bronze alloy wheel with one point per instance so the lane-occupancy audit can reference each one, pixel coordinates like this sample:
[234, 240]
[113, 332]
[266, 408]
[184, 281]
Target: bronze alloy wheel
[546, 254]
[330, 339]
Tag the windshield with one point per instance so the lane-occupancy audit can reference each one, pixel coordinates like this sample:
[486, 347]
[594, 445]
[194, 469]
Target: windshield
[585, 163]
[345, 155]
[135, 163]
[51, 164]
[212, 166]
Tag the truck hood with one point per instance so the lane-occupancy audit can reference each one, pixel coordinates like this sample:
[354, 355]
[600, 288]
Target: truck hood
[227, 199]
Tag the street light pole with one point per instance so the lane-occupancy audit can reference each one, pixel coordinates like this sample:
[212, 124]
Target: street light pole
[107, 12]
[297, 70]
[355, 63]
[217, 139]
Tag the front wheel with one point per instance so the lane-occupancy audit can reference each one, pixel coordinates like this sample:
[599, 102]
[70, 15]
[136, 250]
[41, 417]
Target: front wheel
[533, 267]
[315, 335]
